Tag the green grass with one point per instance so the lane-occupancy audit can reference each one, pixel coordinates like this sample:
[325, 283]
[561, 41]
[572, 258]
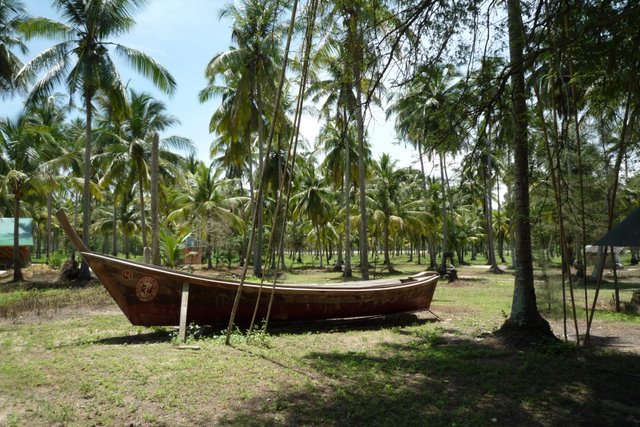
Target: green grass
[83, 365]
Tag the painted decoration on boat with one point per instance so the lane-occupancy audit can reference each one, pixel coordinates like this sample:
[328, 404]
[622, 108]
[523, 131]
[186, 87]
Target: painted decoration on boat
[147, 288]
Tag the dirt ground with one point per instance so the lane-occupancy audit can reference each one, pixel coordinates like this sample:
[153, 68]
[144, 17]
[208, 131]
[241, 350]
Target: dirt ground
[620, 336]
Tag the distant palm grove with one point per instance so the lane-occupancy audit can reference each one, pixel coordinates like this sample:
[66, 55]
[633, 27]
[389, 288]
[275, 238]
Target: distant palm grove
[520, 120]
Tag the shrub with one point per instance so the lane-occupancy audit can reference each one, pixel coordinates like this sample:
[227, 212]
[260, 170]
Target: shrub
[57, 259]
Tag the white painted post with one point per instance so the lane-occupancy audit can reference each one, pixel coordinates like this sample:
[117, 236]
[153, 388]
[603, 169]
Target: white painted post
[182, 334]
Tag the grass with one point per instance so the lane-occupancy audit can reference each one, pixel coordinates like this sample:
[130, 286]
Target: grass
[84, 364]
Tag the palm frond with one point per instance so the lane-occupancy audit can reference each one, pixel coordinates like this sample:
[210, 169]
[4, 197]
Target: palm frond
[148, 67]
[47, 28]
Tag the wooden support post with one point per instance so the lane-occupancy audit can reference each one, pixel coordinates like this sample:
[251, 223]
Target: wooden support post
[182, 334]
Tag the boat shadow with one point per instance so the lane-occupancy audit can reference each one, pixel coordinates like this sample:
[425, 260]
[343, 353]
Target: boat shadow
[156, 336]
[368, 323]
[276, 328]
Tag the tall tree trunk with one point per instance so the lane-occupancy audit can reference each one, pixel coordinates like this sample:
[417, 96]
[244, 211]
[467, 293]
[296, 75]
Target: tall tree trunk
[340, 261]
[445, 229]
[524, 322]
[17, 262]
[143, 222]
[354, 44]
[411, 247]
[364, 260]
[208, 254]
[493, 265]
[114, 249]
[433, 261]
[500, 229]
[347, 272]
[84, 274]
[387, 260]
[257, 246]
[126, 244]
[423, 176]
[49, 210]
[155, 226]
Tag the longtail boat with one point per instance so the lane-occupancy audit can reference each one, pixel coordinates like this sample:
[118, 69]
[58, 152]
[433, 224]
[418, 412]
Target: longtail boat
[152, 296]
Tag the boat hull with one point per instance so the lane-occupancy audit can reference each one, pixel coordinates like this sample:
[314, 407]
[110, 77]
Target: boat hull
[152, 296]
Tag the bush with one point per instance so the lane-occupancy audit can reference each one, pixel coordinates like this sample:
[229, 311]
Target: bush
[57, 259]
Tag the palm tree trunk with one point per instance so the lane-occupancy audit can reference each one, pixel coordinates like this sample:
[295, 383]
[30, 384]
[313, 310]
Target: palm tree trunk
[49, 210]
[155, 226]
[340, 260]
[355, 45]
[257, 247]
[423, 175]
[525, 321]
[445, 228]
[126, 243]
[143, 222]
[433, 262]
[208, 253]
[347, 272]
[500, 229]
[84, 274]
[387, 260]
[364, 261]
[17, 262]
[493, 265]
[114, 249]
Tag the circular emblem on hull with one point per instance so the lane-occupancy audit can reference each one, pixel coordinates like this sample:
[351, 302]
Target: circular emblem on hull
[127, 275]
[147, 289]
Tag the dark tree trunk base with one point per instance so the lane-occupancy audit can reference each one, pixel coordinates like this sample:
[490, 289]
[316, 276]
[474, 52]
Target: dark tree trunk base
[496, 270]
[531, 334]
[69, 271]
[392, 270]
[84, 275]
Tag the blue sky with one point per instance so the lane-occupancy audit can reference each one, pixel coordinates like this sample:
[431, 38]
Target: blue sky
[183, 36]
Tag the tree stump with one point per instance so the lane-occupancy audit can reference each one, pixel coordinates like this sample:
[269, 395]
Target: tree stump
[452, 275]
[69, 271]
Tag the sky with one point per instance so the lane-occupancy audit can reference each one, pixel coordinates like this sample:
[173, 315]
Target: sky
[183, 36]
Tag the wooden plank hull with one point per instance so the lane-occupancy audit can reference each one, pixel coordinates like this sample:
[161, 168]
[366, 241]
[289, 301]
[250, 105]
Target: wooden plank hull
[151, 296]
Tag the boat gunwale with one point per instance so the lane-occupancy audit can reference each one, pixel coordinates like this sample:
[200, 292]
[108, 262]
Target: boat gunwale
[363, 286]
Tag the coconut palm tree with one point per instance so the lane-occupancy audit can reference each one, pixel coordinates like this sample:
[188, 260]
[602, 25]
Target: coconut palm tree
[524, 318]
[208, 202]
[357, 22]
[312, 199]
[20, 171]
[250, 69]
[342, 171]
[83, 62]
[129, 152]
[334, 87]
[12, 16]
[386, 192]
[52, 114]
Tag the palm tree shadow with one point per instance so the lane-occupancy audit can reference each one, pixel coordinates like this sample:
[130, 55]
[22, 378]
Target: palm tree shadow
[451, 380]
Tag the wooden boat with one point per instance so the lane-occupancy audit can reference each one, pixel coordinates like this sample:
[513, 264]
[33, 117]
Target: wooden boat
[152, 296]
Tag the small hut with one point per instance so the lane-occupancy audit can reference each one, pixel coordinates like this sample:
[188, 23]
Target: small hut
[25, 238]
[594, 253]
[192, 250]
